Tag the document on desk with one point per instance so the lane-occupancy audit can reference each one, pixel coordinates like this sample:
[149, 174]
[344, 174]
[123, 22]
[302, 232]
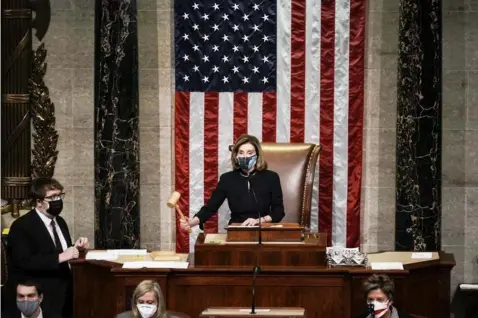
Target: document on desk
[113, 255]
[241, 226]
[128, 252]
[386, 265]
[215, 238]
[101, 256]
[469, 286]
[422, 255]
[154, 264]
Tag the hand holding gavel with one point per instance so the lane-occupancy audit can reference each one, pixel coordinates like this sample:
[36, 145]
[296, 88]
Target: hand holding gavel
[184, 221]
[186, 224]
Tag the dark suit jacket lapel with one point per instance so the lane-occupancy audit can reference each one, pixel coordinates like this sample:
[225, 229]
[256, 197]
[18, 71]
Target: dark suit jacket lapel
[42, 232]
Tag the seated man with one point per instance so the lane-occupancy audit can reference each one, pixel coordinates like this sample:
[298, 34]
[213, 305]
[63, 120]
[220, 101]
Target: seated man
[29, 299]
[39, 247]
[379, 294]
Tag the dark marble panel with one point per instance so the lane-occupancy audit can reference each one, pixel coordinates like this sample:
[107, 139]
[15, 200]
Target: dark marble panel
[116, 125]
[419, 107]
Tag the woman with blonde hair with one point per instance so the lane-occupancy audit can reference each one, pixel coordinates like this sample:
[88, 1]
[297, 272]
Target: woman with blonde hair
[251, 190]
[147, 302]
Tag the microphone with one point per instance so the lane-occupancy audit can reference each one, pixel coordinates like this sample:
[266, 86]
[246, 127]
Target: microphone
[258, 209]
[257, 268]
[371, 310]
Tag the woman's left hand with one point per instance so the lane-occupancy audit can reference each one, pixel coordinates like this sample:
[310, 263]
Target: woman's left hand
[250, 222]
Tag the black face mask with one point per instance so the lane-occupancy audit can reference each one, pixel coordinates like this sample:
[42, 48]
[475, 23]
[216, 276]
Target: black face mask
[55, 207]
[246, 163]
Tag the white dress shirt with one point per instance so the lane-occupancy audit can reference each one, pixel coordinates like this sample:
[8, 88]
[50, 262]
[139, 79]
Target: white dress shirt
[47, 222]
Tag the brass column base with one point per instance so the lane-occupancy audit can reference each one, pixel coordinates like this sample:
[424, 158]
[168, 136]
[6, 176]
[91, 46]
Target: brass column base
[14, 207]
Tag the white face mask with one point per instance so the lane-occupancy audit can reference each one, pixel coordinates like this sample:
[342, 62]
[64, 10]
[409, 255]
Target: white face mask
[147, 310]
[379, 308]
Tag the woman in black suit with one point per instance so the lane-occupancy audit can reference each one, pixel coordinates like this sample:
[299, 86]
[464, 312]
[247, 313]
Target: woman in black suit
[251, 190]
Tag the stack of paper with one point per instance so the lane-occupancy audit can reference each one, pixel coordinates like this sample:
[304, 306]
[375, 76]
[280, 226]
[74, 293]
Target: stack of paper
[155, 264]
[422, 255]
[112, 255]
[141, 258]
[128, 252]
[469, 286]
[215, 238]
[101, 256]
[386, 265]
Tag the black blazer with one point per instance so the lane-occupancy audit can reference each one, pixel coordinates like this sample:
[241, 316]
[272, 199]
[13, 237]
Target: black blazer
[243, 202]
[32, 255]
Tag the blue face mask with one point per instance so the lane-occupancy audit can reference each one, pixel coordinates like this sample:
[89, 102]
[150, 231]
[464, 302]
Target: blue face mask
[246, 163]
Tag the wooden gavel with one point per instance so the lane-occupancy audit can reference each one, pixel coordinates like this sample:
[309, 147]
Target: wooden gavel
[173, 203]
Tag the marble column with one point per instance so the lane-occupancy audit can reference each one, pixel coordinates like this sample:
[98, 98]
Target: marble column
[116, 126]
[419, 107]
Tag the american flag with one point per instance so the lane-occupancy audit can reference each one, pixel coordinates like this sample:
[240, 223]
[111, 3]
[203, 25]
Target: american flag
[284, 71]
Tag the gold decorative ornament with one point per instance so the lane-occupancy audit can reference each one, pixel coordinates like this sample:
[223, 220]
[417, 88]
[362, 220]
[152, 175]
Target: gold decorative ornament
[45, 136]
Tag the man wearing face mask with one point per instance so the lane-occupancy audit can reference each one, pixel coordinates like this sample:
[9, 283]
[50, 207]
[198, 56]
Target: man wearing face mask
[40, 246]
[29, 299]
[379, 294]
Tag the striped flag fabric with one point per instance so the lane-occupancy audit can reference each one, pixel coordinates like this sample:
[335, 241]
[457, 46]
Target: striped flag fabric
[284, 71]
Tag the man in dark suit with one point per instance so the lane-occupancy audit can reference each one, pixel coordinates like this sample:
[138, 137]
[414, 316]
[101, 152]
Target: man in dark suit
[39, 247]
[29, 299]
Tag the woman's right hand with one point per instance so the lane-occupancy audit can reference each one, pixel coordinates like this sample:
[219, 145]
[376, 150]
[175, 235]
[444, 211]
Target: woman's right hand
[186, 224]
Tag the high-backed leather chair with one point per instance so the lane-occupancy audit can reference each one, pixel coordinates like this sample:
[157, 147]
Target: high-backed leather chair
[295, 163]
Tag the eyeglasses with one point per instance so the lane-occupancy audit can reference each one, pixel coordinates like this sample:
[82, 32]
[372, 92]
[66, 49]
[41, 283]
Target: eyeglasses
[56, 197]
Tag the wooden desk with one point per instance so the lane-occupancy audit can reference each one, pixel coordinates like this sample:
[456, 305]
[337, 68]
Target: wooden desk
[243, 254]
[219, 312]
[103, 289]
[270, 232]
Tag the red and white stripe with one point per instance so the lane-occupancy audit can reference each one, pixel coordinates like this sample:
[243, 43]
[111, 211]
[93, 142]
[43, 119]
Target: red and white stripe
[319, 99]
